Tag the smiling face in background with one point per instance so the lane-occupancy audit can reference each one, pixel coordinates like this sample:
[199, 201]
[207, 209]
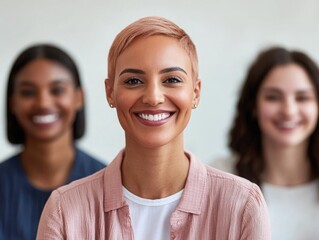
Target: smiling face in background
[287, 107]
[153, 91]
[45, 100]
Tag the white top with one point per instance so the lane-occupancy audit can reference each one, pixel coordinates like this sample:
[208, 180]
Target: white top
[149, 217]
[293, 211]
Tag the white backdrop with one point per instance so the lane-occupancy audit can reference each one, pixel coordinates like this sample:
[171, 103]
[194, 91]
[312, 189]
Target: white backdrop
[228, 35]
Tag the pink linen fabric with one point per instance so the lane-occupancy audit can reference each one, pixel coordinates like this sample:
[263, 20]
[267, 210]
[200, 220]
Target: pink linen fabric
[214, 205]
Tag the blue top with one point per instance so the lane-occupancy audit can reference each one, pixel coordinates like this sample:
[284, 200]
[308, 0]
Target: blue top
[21, 203]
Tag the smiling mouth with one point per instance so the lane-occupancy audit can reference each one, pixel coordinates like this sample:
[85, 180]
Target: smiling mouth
[49, 118]
[288, 125]
[154, 117]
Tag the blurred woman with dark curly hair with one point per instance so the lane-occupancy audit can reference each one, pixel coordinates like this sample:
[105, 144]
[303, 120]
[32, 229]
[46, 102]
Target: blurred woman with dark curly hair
[275, 139]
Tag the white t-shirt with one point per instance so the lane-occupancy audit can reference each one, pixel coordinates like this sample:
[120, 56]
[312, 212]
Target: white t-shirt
[151, 218]
[293, 211]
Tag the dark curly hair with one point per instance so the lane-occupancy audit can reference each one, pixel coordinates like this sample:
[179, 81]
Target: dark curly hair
[245, 135]
[15, 133]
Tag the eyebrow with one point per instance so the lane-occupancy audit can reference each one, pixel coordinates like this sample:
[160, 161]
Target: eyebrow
[131, 70]
[173, 69]
[165, 70]
[277, 90]
[29, 83]
[24, 83]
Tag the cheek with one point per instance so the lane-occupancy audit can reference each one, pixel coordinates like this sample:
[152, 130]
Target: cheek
[310, 111]
[19, 106]
[124, 102]
[70, 104]
[183, 99]
[265, 112]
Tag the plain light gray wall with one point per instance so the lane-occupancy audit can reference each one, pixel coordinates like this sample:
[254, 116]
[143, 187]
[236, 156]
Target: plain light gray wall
[228, 35]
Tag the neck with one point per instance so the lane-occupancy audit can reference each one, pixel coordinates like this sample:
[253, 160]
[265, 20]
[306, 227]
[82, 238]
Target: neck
[48, 164]
[286, 166]
[154, 173]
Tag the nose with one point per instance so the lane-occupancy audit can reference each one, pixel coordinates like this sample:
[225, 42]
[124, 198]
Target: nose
[289, 107]
[153, 94]
[43, 99]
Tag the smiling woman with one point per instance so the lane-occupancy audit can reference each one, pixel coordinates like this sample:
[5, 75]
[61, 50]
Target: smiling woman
[275, 139]
[154, 188]
[45, 100]
[160, 85]
[45, 113]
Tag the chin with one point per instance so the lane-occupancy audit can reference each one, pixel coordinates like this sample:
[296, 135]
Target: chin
[153, 143]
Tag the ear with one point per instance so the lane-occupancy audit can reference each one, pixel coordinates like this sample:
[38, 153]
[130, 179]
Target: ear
[197, 89]
[109, 92]
[79, 98]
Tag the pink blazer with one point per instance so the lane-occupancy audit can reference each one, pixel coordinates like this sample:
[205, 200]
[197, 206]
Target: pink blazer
[215, 205]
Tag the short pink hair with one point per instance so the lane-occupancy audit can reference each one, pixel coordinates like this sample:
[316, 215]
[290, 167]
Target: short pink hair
[146, 27]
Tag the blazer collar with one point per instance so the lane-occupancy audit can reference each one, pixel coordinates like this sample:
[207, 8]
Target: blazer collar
[193, 194]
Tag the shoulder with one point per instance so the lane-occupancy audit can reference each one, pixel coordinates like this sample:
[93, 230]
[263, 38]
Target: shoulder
[236, 192]
[72, 209]
[78, 194]
[12, 178]
[88, 159]
[9, 161]
[84, 165]
[226, 164]
[75, 201]
[222, 173]
[85, 184]
[228, 182]
[239, 197]
[219, 183]
[82, 199]
[9, 165]
[222, 186]
[237, 201]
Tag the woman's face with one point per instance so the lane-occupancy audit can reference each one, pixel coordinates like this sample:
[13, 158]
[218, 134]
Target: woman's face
[153, 91]
[287, 107]
[45, 100]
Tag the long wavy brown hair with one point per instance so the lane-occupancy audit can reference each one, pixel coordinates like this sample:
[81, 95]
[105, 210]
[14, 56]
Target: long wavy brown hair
[245, 135]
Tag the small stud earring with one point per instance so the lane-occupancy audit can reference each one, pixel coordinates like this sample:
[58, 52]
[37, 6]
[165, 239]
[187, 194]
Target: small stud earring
[194, 106]
[111, 105]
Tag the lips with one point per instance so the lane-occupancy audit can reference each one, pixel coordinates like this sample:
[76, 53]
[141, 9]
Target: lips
[154, 117]
[45, 119]
[287, 124]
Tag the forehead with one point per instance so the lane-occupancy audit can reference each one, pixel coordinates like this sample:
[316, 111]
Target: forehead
[154, 52]
[288, 77]
[43, 70]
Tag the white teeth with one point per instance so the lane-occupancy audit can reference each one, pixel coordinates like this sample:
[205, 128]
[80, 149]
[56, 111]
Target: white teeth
[154, 117]
[288, 124]
[45, 118]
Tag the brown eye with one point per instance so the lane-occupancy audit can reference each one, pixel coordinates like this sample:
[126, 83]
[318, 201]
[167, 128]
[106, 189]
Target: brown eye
[272, 97]
[172, 80]
[133, 81]
[303, 98]
[27, 92]
[58, 91]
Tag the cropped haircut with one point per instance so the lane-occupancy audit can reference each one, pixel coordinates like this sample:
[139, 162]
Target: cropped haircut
[146, 27]
[15, 133]
[245, 134]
